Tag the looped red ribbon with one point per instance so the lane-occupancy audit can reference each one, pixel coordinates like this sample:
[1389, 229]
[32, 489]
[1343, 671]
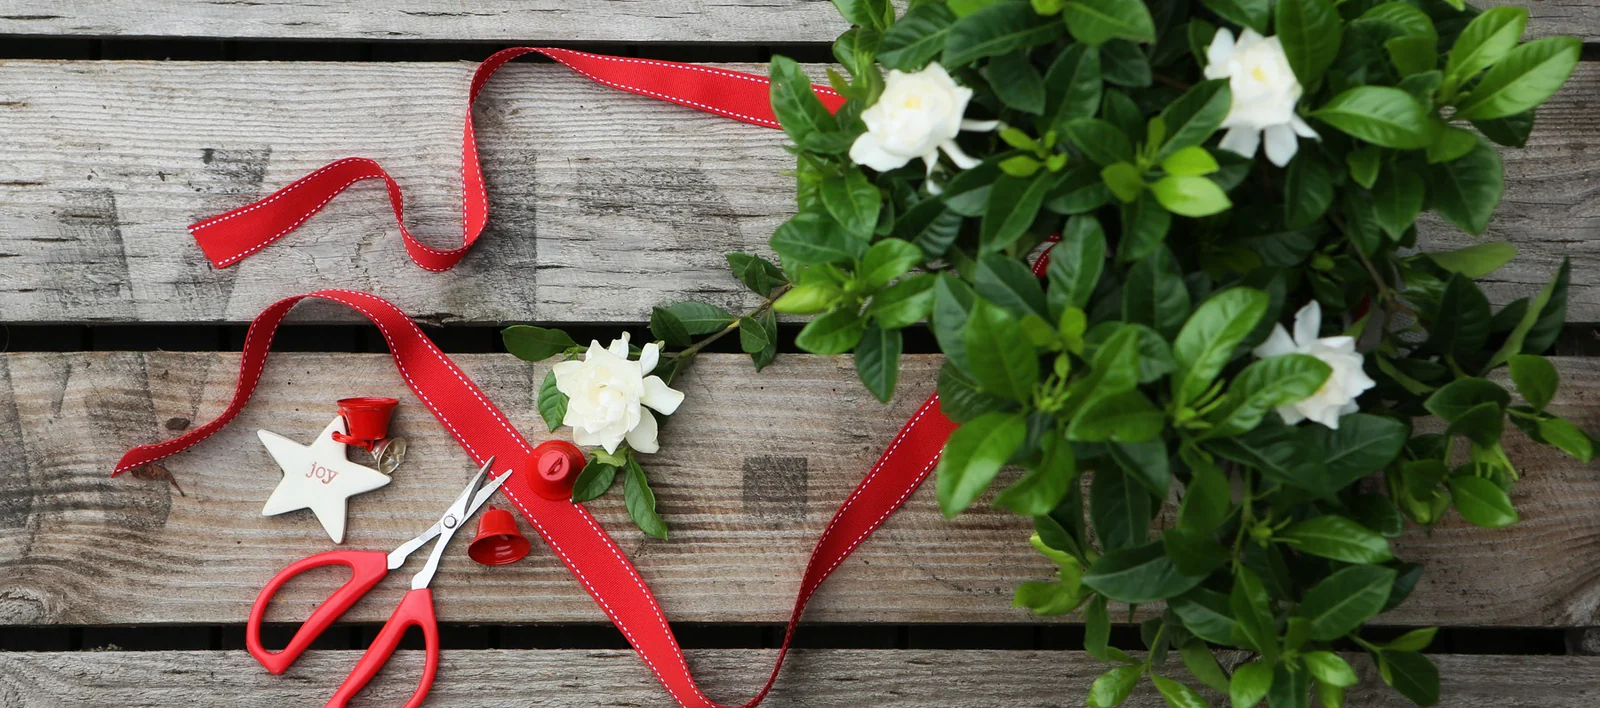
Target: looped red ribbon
[483, 431]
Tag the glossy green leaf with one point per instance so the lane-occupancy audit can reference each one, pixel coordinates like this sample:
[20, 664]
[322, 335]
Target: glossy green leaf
[1075, 264]
[1266, 385]
[1412, 674]
[1523, 79]
[834, 333]
[530, 343]
[1138, 574]
[1337, 538]
[1466, 191]
[1000, 28]
[1380, 115]
[1095, 22]
[1113, 687]
[1245, 13]
[1209, 337]
[797, 107]
[1249, 684]
[1190, 196]
[878, 361]
[1485, 40]
[916, 38]
[552, 402]
[1482, 502]
[1310, 31]
[973, 455]
[1343, 601]
[641, 501]
[1000, 357]
[1176, 694]
[1477, 260]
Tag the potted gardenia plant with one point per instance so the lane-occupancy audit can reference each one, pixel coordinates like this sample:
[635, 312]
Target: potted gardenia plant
[1236, 318]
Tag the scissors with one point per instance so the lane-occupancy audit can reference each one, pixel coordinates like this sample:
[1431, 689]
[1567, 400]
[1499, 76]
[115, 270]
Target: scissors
[369, 567]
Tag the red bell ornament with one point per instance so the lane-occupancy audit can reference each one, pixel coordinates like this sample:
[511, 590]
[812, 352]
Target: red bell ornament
[555, 467]
[499, 541]
[367, 419]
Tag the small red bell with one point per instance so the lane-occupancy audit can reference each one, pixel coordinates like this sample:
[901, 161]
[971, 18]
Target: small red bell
[499, 541]
[367, 419]
[556, 464]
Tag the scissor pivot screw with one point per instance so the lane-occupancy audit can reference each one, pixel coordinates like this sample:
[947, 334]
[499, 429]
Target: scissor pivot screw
[450, 522]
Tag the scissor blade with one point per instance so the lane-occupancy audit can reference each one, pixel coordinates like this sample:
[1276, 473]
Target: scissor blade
[398, 556]
[451, 524]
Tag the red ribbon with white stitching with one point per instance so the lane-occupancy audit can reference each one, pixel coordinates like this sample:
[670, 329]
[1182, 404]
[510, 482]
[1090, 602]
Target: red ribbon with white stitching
[483, 431]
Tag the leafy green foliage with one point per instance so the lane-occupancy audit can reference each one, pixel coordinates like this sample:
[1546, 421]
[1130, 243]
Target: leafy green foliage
[1135, 365]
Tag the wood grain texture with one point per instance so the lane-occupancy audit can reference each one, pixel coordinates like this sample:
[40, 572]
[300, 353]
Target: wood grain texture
[819, 678]
[751, 469]
[633, 22]
[603, 203]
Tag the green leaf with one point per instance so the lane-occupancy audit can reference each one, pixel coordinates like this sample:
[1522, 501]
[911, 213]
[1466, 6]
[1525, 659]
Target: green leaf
[812, 238]
[1001, 358]
[1119, 509]
[973, 455]
[1252, 611]
[1536, 379]
[1010, 284]
[1485, 40]
[865, 13]
[1567, 437]
[1124, 417]
[1343, 601]
[1245, 13]
[1190, 161]
[959, 397]
[1307, 190]
[1414, 640]
[595, 479]
[853, 202]
[808, 298]
[1075, 264]
[878, 361]
[699, 317]
[1413, 55]
[886, 260]
[1139, 574]
[757, 273]
[1176, 694]
[1206, 614]
[1155, 294]
[1097, 632]
[1016, 82]
[666, 326]
[1073, 85]
[1511, 131]
[552, 402]
[752, 336]
[1381, 115]
[642, 502]
[1095, 22]
[1208, 339]
[1523, 79]
[1460, 324]
[1540, 325]
[1250, 684]
[1363, 444]
[1397, 199]
[1291, 687]
[1192, 552]
[1454, 399]
[1466, 191]
[1124, 180]
[1202, 664]
[1145, 463]
[1194, 116]
[1190, 196]
[834, 333]
[952, 304]
[1265, 385]
[1327, 667]
[1145, 224]
[1482, 502]
[1044, 484]
[1310, 31]
[1100, 141]
[1001, 28]
[1337, 538]
[1114, 686]
[1010, 210]
[530, 343]
[1412, 674]
[1475, 261]
[1364, 163]
[1450, 143]
[794, 103]
[916, 38]
[905, 303]
[1206, 499]
[1125, 64]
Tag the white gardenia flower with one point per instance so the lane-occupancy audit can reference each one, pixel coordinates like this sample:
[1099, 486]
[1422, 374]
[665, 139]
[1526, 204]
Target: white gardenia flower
[1338, 394]
[918, 115]
[1265, 92]
[607, 394]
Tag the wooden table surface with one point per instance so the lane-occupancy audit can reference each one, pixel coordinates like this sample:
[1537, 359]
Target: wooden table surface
[604, 204]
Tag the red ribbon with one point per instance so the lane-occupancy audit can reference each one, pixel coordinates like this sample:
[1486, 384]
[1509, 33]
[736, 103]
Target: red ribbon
[483, 431]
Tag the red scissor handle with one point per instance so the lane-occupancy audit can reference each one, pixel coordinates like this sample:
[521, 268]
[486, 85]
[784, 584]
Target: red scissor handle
[415, 610]
[368, 567]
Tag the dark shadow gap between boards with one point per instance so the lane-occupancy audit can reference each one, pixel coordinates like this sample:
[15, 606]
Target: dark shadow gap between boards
[200, 49]
[458, 636]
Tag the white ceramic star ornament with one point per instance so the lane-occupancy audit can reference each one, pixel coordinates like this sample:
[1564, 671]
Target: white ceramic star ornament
[317, 477]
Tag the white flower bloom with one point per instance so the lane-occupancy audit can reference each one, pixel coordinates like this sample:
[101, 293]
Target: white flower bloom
[917, 116]
[1338, 394]
[1265, 92]
[607, 394]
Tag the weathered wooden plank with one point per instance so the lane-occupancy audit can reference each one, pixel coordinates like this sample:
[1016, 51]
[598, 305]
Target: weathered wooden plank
[604, 203]
[751, 469]
[735, 21]
[814, 677]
